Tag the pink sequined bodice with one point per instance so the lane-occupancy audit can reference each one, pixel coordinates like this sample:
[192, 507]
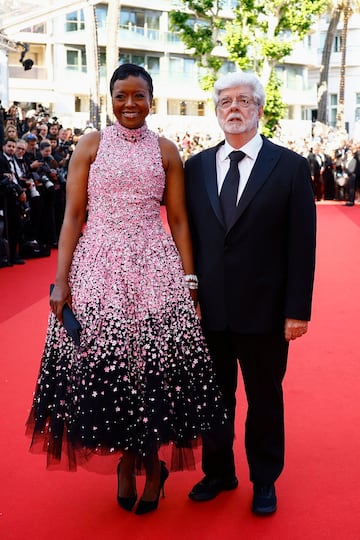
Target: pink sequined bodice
[126, 181]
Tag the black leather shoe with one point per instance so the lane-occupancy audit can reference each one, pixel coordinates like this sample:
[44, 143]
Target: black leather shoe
[264, 500]
[209, 488]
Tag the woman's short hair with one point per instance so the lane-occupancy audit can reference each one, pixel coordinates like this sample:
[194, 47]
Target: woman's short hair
[126, 70]
[240, 78]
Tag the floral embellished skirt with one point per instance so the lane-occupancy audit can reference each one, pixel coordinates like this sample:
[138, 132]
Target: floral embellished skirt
[132, 385]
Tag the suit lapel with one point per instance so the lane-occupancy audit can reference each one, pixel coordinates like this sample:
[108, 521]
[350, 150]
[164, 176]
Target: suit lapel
[263, 167]
[209, 170]
[267, 158]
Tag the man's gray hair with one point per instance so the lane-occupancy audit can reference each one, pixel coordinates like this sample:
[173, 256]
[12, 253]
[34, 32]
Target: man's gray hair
[240, 78]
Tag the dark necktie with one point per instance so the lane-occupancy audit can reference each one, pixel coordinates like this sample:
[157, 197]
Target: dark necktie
[229, 190]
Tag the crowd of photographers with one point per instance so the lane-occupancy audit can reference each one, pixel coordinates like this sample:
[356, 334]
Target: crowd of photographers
[33, 169]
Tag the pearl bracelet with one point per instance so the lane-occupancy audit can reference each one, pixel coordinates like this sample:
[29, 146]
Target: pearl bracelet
[192, 281]
[191, 277]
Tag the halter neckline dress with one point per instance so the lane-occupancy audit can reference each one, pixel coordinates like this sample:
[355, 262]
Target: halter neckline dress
[141, 377]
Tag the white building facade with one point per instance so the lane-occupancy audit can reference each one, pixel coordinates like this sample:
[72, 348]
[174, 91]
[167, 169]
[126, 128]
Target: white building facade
[60, 76]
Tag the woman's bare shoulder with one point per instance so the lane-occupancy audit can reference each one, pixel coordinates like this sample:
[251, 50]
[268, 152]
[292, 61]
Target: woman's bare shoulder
[88, 145]
[167, 145]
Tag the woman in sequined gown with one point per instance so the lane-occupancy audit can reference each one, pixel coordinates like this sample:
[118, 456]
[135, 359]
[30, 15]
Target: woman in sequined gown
[141, 377]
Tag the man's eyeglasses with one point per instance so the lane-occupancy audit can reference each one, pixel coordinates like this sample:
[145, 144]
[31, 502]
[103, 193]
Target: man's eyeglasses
[242, 101]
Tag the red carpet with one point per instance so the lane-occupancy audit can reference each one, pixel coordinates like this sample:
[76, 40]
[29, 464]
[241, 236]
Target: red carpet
[319, 490]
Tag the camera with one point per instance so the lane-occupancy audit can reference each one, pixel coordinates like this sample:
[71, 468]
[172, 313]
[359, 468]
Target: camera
[42, 177]
[33, 191]
[46, 182]
[10, 188]
[61, 176]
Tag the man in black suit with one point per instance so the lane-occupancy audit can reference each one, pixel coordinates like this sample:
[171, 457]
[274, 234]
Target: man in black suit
[255, 266]
[12, 200]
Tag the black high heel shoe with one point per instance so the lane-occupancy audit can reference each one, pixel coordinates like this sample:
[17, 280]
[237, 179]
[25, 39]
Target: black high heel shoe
[148, 506]
[127, 503]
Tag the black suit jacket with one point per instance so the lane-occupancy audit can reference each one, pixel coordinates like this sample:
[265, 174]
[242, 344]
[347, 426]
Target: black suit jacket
[261, 270]
[8, 196]
[315, 167]
[4, 165]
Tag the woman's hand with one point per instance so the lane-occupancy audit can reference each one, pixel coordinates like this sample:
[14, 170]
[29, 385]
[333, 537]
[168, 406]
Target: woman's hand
[60, 296]
[194, 296]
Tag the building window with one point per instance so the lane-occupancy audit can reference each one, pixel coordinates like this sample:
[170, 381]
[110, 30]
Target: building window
[201, 108]
[227, 67]
[153, 64]
[102, 66]
[189, 66]
[138, 59]
[175, 65]
[101, 15]
[337, 43]
[124, 59]
[77, 104]
[182, 68]
[76, 60]
[152, 24]
[75, 21]
[183, 108]
[36, 29]
[150, 63]
[173, 37]
[308, 114]
[292, 77]
[82, 104]
[146, 23]
[333, 109]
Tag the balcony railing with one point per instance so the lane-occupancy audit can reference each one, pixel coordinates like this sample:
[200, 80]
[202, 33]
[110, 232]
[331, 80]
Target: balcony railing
[151, 33]
[37, 73]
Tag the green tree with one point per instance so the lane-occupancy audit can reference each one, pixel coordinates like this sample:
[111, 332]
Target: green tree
[275, 107]
[260, 35]
[201, 27]
[269, 30]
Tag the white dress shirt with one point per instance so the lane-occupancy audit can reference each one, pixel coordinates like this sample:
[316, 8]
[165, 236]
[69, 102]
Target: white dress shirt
[11, 162]
[251, 149]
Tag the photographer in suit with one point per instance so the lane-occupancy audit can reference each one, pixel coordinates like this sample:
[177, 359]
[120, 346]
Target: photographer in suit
[33, 227]
[315, 161]
[48, 184]
[252, 216]
[13, 200]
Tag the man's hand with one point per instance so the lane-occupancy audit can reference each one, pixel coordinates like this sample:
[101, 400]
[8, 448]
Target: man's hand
[35, 164]
[295, 328]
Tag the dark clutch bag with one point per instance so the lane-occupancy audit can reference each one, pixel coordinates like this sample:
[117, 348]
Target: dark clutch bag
[70, 322]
